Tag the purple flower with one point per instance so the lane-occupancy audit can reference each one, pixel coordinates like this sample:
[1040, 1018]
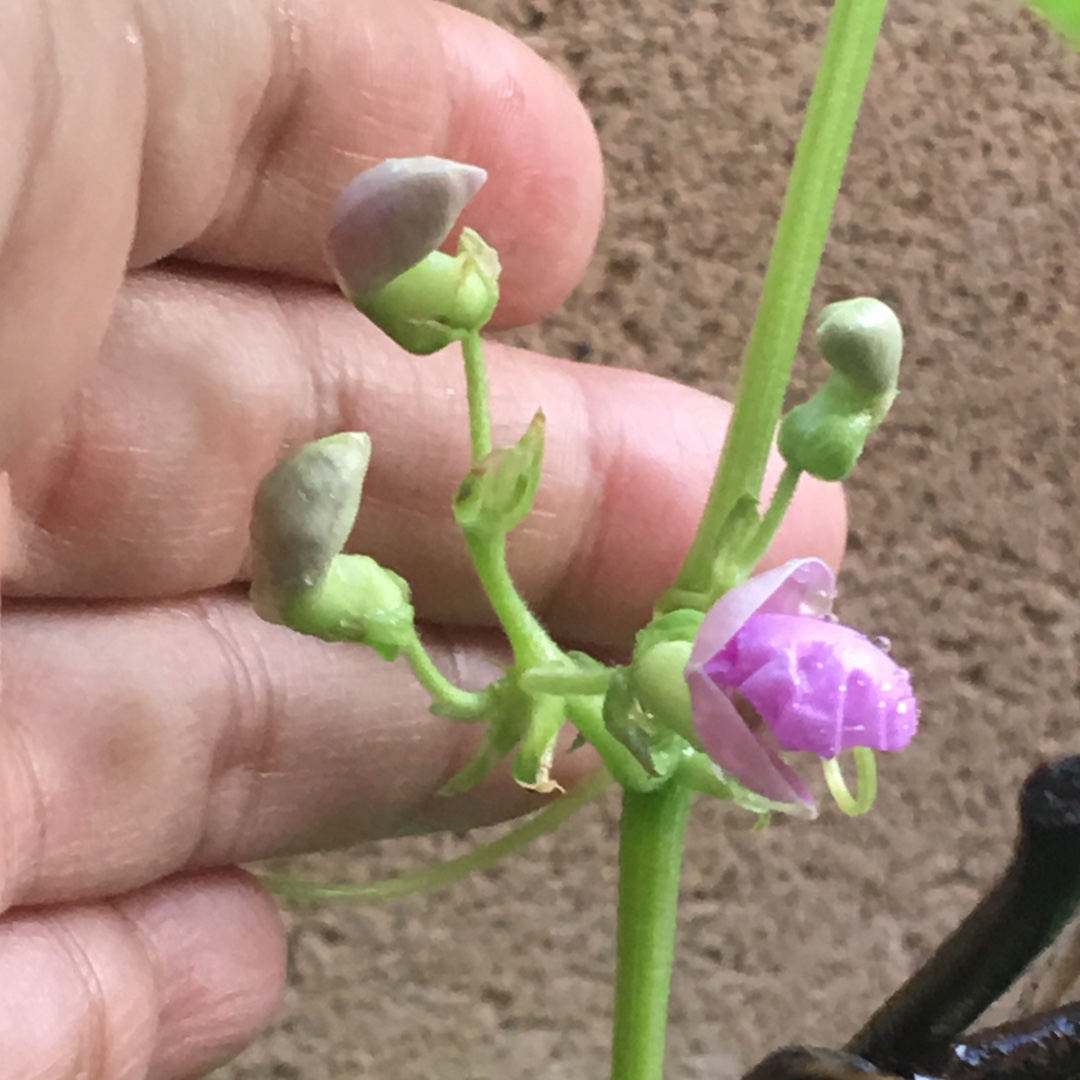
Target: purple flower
[815, 684]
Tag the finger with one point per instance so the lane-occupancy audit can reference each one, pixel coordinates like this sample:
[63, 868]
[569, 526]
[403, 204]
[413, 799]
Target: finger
[364, 81]
[146, 487]
[136, 742]
[227, 131]
[164, 983]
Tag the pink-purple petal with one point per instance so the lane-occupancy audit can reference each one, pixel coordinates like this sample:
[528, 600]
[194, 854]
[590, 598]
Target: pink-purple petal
[819, 686]
[801, 586]
[726, 738]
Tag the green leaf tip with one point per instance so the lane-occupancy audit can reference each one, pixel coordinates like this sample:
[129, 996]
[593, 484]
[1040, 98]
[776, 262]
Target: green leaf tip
[498, 493]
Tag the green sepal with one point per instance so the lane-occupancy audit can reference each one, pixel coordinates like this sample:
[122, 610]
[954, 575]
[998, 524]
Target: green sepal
[357, 600]
[440, 299]
[497, 494]
[657, 676]
[499, 740]
[532, 764]
[697, 772]
[765, 808]
[656, 749]
[508, 722]
[620, 705]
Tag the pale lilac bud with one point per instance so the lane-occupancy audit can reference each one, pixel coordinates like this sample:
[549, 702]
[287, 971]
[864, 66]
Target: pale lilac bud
[304, 510]
[393, 215]
[816, 685]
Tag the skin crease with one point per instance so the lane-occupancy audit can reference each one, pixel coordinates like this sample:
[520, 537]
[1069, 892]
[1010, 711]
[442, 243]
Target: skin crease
[167, 332]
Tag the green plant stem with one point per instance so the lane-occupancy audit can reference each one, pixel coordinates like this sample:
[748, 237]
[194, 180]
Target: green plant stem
[796, 253]
[1062, 15]
[565, 680]
[773, 517]
[430, 878]
[463, 702]
[586, 714]
[651, 836]
[476, 388]
[530, 641]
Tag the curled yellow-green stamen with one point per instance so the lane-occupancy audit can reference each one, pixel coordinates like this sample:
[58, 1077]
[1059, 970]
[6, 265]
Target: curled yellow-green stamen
[865, 782]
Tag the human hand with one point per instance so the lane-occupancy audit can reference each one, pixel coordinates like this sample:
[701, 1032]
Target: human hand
[167, 332]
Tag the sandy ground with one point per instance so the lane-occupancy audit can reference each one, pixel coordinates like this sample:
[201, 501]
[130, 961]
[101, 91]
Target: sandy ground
[962, 208]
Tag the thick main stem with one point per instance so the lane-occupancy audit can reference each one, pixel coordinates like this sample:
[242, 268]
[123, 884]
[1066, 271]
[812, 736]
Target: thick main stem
[785, 297]
[651, 837]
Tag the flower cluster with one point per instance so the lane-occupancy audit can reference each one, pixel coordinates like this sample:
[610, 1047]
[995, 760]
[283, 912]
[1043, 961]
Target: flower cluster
[710, 699]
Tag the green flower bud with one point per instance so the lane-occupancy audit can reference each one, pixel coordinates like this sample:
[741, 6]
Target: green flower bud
[498, 493]
[656, 673]
[862, 341]
[357, 600]
[822, 440]
[440, 299]
[657, 676]
[303, 513]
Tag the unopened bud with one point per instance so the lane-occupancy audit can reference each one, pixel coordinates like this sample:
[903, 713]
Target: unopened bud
[659, 684]
[862, 341]
[304, 510]
[393, 215]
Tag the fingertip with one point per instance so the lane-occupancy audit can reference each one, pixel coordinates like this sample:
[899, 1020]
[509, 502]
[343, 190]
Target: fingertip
[219, 939]
[522, 121]
[354, 84]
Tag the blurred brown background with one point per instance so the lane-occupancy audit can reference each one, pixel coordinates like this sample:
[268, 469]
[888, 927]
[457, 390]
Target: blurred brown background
[961, 208]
